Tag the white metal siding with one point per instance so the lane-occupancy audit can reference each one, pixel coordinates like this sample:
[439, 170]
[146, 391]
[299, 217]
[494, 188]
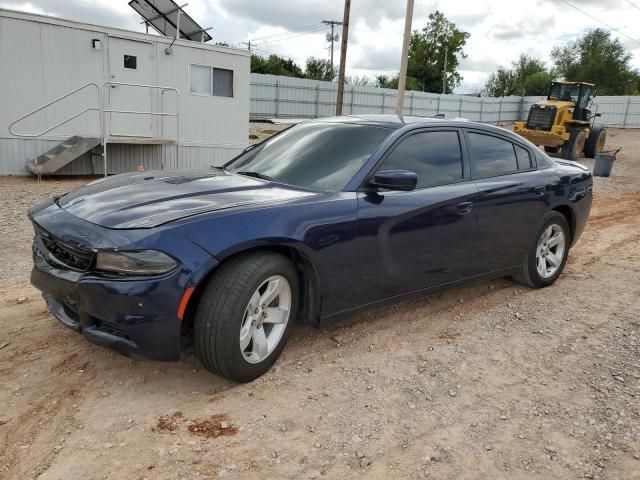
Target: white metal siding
[15, 152]
[44, 58]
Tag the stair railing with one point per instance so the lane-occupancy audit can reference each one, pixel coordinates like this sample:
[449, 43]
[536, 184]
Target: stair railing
[102, 111]
[39, 109]
[161, 113]
[62, 97]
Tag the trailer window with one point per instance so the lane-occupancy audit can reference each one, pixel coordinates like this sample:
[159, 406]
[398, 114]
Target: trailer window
[130, 61]
[222, 82]
[200, 80]
[211, 81]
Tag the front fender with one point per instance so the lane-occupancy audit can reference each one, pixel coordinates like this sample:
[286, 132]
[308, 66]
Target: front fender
[318, 235]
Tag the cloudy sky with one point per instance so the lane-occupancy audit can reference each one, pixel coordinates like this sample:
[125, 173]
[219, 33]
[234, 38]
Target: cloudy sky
[500, 29]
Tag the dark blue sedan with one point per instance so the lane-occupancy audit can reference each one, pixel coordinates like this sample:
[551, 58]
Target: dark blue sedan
[324, 218]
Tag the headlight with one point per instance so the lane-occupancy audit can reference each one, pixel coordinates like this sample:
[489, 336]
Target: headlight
[144, 262]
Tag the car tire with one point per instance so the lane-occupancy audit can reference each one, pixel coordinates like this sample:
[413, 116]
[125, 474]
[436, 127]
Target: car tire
[572, 148]
[595, 142]
[533, 272]
[231, 310]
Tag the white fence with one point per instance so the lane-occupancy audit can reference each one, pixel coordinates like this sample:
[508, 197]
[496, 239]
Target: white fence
[287, 97]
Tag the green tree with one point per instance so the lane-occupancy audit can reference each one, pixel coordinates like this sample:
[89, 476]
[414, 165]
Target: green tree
[597, 58]
[388, 81]
[427, 51]
[537, 83]
[358, 80]
[500, 83]
[527, 76]
[385, 81]
[319, 69]
[275, 65]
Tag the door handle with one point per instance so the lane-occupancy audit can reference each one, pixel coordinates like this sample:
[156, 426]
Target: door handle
[465, 207]
[540, 191]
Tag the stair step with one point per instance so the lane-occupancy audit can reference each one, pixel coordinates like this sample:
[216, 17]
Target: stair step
[62, 154]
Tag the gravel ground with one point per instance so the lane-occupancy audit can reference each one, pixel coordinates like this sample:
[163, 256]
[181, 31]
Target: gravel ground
[491, 380]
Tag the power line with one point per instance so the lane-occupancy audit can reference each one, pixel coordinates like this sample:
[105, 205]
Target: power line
[293, 35]
[633, 4]
[288, 32]
[373, 69]
[253, 43]
[598, 20]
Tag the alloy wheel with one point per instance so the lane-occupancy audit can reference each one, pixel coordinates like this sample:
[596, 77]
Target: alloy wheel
[265, 319]
[550, 251]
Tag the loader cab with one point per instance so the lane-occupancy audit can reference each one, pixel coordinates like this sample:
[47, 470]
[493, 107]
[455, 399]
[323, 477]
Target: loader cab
[580, 94]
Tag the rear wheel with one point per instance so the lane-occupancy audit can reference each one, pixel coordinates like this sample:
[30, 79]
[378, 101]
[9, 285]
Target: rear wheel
[595, 142]
[547, 254]
[572, 148]
[245, 315]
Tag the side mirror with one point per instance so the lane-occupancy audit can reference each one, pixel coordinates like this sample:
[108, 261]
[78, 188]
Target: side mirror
[402, 180]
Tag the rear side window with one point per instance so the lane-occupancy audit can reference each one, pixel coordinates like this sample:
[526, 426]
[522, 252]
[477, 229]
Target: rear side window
[491, 156]
[524, 159]
[434, 156]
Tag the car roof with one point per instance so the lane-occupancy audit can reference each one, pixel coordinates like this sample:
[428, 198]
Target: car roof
[387, 120]
[411, 122]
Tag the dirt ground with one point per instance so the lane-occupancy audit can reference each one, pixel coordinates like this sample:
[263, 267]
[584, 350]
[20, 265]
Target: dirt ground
[491, 381]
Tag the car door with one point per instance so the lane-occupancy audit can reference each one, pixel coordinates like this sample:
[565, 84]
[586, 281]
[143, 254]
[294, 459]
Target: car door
[512, 198]
[421, 238]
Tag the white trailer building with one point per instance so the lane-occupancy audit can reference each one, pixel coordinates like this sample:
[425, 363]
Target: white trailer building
[67, 88]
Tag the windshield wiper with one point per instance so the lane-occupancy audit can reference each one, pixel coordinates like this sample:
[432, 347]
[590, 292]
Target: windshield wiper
[256, 175]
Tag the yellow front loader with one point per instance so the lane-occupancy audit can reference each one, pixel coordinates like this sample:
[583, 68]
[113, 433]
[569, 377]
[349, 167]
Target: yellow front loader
[563, 123]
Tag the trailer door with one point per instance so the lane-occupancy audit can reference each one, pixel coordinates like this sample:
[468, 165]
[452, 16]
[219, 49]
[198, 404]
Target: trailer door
[130, 62]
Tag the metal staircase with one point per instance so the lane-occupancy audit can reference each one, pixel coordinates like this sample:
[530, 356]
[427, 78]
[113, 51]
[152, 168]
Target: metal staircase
[62, 154]
[76, 145]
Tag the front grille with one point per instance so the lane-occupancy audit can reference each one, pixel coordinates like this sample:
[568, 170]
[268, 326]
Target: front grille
[541, 117]
[73, 258]
[111, 329]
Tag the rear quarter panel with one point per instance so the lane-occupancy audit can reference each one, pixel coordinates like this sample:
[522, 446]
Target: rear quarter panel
[571, 184]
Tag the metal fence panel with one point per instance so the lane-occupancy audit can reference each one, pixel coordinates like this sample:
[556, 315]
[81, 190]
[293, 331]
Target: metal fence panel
[287, 97]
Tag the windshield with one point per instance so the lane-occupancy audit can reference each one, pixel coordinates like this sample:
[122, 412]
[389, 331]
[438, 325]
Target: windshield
[320, 156]
[568, 93]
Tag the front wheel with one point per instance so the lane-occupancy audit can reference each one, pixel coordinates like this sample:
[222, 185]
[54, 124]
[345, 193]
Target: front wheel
[547, 254]
[572, 148]
[245, 314]
[595, 141]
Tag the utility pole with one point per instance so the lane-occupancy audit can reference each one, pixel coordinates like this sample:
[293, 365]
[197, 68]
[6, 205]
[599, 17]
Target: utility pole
[402, 78]
[343, 56]
[444, 71]
[248, 44]
[332, 38]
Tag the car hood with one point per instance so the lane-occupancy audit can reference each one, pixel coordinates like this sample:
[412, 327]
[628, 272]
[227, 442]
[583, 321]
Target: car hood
[145, 200]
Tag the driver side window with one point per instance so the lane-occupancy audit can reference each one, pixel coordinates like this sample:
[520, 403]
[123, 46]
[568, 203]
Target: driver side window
[435, 157]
